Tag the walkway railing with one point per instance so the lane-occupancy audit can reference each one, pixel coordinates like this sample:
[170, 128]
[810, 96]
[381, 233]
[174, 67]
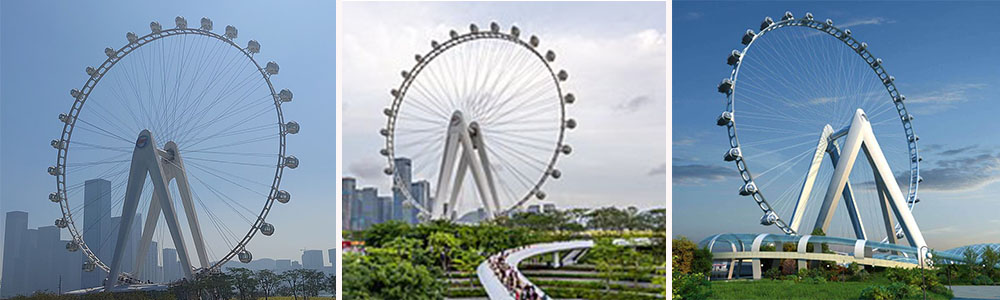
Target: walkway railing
[501, 278]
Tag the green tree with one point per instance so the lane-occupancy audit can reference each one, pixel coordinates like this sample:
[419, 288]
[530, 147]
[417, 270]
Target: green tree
[268, 282]
[313, 282]
[467, 260]
[442, 244]
[244, 281]
[990, 263]
[683, 249]
[294, 279]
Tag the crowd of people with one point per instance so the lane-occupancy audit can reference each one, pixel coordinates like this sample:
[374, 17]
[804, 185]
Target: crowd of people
[518, 288]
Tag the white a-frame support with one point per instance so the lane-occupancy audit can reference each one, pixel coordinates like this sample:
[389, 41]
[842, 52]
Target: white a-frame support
[162, 166]
[859, 136]
[473, 158]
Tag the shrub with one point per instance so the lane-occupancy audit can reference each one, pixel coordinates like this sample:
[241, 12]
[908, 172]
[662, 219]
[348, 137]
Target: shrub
[772, 273]
[982, 280]
[691, 286]
[896, 290]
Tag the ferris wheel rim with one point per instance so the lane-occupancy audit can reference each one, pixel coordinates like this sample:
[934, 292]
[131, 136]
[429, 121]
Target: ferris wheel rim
[91, 83]
[859, 48]
[434, 53]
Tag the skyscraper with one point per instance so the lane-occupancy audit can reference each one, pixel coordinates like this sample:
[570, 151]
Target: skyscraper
[386, 209]
[421, 192]
[347, 196]
[150, 267]
[402, 170]
[171, 267]
[97, 226]
[370, 214]
[332, 256]
[13, 259]
[312, 259]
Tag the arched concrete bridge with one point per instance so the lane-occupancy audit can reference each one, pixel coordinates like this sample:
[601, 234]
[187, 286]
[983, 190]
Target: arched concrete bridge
[496, 289]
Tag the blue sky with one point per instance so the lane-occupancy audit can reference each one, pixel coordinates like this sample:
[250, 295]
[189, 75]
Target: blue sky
[614, 52]
[45, 48]
[943, 58]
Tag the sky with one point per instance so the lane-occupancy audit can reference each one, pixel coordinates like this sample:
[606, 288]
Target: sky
[44, 49]
[615, 54]
[943, 60]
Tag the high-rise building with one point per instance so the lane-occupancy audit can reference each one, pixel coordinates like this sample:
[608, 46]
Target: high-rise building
[421, 192]
[347, 196]
[296, 265]
[370, 213]
[44, 265]
[97, 226]
[150, 267]
[402, 169]
[312, 259]
[386, 209]
[171, 267]
[332, 256]
[14, 261]
[281, 265]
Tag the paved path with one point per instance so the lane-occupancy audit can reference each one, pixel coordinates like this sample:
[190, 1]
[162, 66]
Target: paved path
[976, 291]
[496, 290]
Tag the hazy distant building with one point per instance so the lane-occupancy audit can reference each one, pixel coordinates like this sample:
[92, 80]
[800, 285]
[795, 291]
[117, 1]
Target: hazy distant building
[386, 209]
[312, 259]
[296, 265]
[402, 170]
[131, 245]
[347, 196]
[534, 209]
[14, 260]
[332, 256]
[171, 267]
[97, 226]
[281, 265]
[370, 212]
[150, 267]
[421, 192]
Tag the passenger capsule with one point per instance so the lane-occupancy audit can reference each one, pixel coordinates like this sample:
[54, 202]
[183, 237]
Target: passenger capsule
[285, 95]
[283, 196]
[75, 93]
[453, 34]
[181, 22]
[253, 46]
[387, 112]
[748, 189]
[889, 79]
[571, 124]
[920, 179]
[405, 74]
[863, 46]
[418, 58]
[131, 37]
[91, 71]
[769, 218]
[909, 117]
[724, 119]
[435, 44]
[55, 197]
[231, 32]
[61, 223]
[387, 170]
[292, 127]
[733, 154]
[89, 266]
[72, 246]
[734, 58]
[494, 27]
[562, 75]
[271, 68]
[899, 234]
[383, 152]
[266, 229]
[809, 16]
[569, 98]
[787, 16]
[516, 32]
[394, 92]
[829, 22]
[383, 132]
[847, 33]
[725, 86]
[914, 138]
[533, 41]
[206, 24]
[65, 118]
[58, 144]
[155, 27]
[748, 36]
[878, 61]
[900, 98]
[766, 23]
[540, 195]
[473, 28]
[555, 173]
[110, 52]
[245, 256]
[550, 56]
[566, 149]
[55, 171]
[291, 162]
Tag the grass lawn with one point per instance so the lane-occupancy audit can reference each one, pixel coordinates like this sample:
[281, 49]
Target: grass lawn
[786, 289]
[291, 298]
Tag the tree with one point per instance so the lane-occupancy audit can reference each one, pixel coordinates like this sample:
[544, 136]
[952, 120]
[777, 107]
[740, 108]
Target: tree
[244, 281]
[466, 260]
[991, 262]
[312, 283]
[268, 282]
[683, 250]
[442, 243]
[294, 279]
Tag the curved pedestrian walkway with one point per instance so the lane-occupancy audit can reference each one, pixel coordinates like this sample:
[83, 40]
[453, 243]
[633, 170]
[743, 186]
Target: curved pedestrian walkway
[501, 278]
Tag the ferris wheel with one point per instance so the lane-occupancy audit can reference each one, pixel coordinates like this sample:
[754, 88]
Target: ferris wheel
[806, 88]
[182, 105]
[487, 103]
